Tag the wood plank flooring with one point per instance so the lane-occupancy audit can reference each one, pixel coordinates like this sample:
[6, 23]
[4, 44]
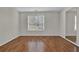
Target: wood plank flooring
[35, 44]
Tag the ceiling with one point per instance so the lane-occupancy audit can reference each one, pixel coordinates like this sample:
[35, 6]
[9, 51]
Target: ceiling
[32, 9]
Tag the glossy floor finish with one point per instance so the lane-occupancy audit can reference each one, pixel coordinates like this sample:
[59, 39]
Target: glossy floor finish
[34, 44]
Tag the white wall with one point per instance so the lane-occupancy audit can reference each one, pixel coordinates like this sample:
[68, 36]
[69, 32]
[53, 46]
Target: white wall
[77, 21]
[62, 22]
[8, 24]
[51, 23]
[70, 23]
[77, 41]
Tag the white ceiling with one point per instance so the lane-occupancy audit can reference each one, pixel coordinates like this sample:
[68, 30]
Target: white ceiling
[31, 9]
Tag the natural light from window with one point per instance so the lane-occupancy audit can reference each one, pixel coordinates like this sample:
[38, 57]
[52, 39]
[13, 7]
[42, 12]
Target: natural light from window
[75, 27]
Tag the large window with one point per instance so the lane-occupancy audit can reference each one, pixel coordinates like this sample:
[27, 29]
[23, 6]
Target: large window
[35, 23]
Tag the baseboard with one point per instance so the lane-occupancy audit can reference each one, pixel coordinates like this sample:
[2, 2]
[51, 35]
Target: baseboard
[70, 41]
[38, 35]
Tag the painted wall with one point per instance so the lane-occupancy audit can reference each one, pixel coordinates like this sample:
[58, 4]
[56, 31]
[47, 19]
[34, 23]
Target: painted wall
[77, 21]
[70, 23]
[8, 24]
[77, 41]
[63, 22]
[51, 23]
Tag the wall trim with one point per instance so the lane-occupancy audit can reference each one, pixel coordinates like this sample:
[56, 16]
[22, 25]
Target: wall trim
[70, 41]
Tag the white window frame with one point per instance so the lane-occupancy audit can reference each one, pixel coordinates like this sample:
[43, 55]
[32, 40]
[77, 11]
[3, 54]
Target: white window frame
[75, 26]
[36, 29]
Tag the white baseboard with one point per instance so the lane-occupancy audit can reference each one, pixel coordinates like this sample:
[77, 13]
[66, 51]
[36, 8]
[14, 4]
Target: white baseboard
[70, 41]
[38, 35]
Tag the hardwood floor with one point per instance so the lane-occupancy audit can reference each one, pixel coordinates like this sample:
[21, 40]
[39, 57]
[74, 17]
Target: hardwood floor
[37, 44]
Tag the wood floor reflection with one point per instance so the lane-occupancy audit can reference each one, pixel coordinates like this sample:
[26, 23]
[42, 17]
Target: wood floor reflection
[35, 44]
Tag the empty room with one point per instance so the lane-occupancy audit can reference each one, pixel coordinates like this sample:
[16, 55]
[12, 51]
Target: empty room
[39, 29]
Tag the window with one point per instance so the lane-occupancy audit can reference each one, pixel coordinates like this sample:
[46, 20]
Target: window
[35, 23]
[75, 27]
